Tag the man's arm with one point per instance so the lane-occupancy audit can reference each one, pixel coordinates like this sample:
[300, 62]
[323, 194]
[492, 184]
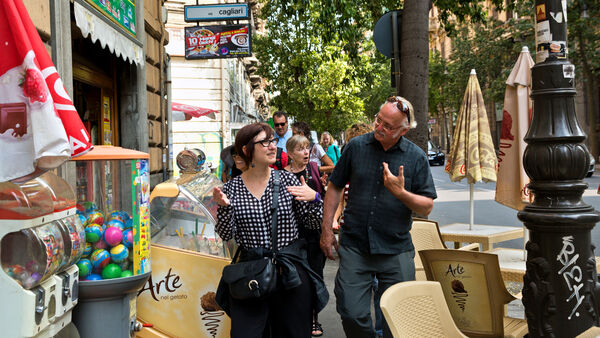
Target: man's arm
[421, 205]
[332, 200]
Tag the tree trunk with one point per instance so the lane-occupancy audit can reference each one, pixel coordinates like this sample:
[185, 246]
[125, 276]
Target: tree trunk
[414, 59]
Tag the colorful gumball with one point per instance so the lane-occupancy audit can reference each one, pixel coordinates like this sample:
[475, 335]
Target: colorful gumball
[94, 276]
[119, 253]
[101, 244]
[100, 258]
[126, 273]
[116, 215]
[95, 217]
[124, 264]
[81, 218]
[128, 223]
[113, 236]
[85, 267]
[115, 223]
[87, 250]
[130, 257]
[111, 271]
[93, 233]
[128, 238]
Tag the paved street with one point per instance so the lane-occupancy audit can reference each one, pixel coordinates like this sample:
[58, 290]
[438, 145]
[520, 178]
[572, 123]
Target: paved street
[451, 206]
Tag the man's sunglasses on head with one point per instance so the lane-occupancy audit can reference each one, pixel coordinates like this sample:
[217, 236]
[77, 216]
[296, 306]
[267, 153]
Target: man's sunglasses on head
[401, 105]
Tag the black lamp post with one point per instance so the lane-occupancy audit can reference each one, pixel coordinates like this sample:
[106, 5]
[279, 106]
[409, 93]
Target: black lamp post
[561, 290]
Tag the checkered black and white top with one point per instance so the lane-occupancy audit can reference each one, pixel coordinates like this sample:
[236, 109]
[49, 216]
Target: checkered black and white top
[248, 220]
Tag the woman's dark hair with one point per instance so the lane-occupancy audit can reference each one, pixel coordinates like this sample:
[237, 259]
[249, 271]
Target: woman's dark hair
[304, 128]
[245, 137]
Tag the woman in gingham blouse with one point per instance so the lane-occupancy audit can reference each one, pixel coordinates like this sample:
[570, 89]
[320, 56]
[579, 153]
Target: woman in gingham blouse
[245, 214]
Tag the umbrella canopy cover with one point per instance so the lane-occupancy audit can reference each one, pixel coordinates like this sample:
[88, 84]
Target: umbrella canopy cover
[39, 127]
[472, 153]
[191, 111]
[511, 189]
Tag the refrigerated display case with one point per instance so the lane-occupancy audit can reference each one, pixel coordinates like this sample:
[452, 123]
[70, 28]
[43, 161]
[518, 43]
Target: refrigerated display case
[41, 238]
[187, 260]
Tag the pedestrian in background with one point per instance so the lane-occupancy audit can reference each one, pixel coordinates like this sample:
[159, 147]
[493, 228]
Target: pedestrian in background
[234, 164]
[282, 134]
[317, 153]
[331, 149]
[245, 213]
[298, 148]
[389, 179]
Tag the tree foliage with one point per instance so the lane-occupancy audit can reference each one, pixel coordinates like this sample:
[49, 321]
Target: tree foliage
[320, 61]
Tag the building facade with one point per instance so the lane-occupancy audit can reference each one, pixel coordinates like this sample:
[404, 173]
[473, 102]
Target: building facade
[228, 85]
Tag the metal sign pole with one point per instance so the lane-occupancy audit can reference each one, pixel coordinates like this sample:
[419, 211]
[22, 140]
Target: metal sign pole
[396, 58]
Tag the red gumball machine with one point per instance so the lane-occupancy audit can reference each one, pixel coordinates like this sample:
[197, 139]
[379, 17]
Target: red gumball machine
[41, 238]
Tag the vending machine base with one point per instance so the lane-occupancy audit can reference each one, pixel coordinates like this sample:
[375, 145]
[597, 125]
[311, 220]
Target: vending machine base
[107, 308]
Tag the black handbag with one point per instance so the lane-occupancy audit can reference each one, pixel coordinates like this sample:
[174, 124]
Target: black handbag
[255, 278]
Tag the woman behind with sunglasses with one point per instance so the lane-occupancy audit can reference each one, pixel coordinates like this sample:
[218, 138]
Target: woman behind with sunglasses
[245, 214]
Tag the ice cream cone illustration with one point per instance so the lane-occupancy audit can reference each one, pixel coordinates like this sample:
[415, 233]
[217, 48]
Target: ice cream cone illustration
[211, 313]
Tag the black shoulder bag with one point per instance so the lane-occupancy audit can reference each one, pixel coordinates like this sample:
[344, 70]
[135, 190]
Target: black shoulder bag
[255, 278]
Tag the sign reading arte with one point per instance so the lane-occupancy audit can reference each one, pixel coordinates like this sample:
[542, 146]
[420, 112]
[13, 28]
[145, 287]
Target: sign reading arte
[121, 12]
[215, 42]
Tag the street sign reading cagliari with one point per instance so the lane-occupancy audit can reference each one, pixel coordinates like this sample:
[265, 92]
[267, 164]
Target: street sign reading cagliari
[194, 13]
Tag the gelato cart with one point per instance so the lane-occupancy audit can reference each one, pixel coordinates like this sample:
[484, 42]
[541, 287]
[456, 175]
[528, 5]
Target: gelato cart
[113, 201]
[41, 239]
[187, 260]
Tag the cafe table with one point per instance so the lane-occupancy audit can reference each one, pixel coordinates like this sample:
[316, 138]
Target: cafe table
[512, 264]
[486, 235]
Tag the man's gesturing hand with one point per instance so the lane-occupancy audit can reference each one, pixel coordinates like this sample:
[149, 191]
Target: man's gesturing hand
[220, 197]
[395, 184]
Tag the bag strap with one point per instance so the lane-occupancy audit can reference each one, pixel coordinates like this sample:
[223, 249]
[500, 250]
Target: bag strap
[276, 183]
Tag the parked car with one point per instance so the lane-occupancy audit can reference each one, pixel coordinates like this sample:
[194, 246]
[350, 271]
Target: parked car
[592, 167]
[435, 155]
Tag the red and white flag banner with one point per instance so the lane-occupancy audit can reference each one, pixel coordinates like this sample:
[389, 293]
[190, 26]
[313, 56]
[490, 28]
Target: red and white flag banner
[39, 126]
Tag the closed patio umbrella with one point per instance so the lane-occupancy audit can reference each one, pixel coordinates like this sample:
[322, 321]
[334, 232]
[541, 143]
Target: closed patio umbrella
[472, 155]
[511, 189]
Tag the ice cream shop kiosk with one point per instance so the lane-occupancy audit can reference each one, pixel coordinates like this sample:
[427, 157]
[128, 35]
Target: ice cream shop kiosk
[187, 260]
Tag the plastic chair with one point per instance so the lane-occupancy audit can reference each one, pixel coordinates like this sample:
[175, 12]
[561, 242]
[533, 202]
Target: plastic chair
[474, 290]
[426, 235]
[418, 309]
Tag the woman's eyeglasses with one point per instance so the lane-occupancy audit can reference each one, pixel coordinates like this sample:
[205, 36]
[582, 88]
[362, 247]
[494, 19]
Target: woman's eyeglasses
[267, 142]
[401, 105]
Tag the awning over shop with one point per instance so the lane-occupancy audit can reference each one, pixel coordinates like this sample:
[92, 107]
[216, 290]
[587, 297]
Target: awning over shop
[183, 112]
[98, 29]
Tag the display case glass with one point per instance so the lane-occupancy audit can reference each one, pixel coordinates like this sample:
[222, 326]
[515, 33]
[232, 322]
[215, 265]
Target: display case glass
[184, 215]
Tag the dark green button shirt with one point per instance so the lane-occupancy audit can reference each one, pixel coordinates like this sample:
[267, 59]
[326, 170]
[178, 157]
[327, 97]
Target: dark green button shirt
[375, 221]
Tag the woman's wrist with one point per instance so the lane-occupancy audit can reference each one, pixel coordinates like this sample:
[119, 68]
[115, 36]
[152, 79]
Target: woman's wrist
[317, 198]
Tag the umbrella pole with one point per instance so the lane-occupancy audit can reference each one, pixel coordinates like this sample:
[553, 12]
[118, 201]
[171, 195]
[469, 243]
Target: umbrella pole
[471, 206]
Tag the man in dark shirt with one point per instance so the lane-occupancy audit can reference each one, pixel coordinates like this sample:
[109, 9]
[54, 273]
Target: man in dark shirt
[389, 179]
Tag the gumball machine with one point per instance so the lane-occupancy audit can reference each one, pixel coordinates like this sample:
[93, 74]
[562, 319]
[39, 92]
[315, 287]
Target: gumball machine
[113, 204]
[41, 238]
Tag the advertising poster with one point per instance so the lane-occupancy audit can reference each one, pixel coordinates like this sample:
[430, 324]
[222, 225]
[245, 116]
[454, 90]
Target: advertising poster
[178, 299]
[121, 12]
[215, 42]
